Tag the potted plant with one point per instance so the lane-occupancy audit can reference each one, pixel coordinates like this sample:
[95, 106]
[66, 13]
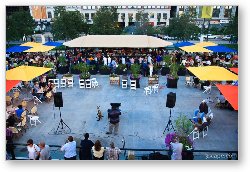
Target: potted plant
[50, 74]
[121, 69]
[135, 70]
[172, 77]
[84, 68]
[183, 127]
[92, 70]
[165, 70]
[104, 70]
[62, 65]
[181, 70]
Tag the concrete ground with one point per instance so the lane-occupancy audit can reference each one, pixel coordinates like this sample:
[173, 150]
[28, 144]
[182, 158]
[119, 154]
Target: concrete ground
[143, 117]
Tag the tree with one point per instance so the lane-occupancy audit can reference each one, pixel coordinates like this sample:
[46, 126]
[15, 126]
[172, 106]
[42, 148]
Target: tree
[69, 25]
[105, 22]
[182, 27]
[59, 10]
[18, 24]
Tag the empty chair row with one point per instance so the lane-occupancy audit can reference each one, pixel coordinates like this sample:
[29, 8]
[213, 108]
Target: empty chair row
[88, 83]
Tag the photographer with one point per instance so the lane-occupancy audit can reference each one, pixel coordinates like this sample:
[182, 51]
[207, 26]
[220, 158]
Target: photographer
[113, 116]
[70, 149]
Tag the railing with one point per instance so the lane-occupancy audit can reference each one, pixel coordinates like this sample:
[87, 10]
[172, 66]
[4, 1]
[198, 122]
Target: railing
[138, 154]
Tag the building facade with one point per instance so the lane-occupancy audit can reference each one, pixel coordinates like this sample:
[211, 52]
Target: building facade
[157, 15]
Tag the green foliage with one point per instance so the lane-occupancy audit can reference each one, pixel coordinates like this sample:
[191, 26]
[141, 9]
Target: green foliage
[105, 22]
[69, 25]
[59, 10]
[62, 61]
[182, 27]
[49, 65]
[135, 70]
[82, 67]
[18, 24]
[68, 75]
[104, 67]
[121, 66]
[167, 60]
[183, 125]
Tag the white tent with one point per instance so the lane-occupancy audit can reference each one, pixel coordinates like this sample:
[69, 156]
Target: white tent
[115, 41]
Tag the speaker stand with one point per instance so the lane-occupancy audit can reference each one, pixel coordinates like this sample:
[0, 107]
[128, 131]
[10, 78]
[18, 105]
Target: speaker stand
[62, 127]
[170, 125]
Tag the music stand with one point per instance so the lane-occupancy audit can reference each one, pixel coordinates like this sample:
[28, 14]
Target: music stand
[62, 126]
[169, 125]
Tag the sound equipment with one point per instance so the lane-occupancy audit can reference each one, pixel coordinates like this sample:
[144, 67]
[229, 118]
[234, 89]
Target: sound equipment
[58, 101]
[171, 98]
[115, 105]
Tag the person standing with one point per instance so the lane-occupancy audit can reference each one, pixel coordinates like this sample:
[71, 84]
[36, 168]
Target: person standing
[9, 142]
[98, 151]
[113, 116]
[44, 151]
[177, 149]
[33, 150]
[85, 150]
[113, 152]
[70, 149]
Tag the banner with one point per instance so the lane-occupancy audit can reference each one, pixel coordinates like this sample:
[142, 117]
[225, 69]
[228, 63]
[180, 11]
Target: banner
[207, 12]
[39, 12]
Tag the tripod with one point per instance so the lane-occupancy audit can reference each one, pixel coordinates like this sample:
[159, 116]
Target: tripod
[170, 124]
[61, 128]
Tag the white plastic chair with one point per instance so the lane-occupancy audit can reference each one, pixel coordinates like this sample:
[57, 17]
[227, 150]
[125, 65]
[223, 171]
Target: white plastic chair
[188, 81]
[63, 83]
[81, 83]
[155, 88]
[88, 83]
[36, 100]
[51, 80]
[34, 120]
[94, 82]
[132, 84]
[147, 90]
[124, 83]
[56, 83]
[207, 89]
[70, 82]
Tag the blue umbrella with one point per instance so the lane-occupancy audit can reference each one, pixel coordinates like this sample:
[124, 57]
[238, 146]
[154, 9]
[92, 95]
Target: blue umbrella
[17, 49]
[220, 49]
[183, 44]
[53, 44]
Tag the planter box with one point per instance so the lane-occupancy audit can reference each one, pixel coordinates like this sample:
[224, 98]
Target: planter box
[63, 70]
[114, 80]
[172, 83]
[153, 80]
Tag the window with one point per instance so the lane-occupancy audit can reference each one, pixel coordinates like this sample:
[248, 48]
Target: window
[153, 6]
[151, 15]
[92, 15]
[138, 6]
[49, 15]
[158, 7]
[216, 11]
[124, 7]
[228, 11]
[86, 16]
[123, 16]
[149, 7]
[158, 16]
[84, 7]
[89, 7]
[165, 16]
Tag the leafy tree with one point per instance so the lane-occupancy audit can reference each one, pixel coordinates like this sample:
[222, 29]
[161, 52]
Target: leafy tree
[18, 24]
[105, 22]
[59, 10]
[69, 25]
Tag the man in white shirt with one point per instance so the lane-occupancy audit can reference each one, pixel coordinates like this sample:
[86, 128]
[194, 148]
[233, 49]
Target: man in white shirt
[109, 60]
[177, 149]
[149, 59]
[105, 62]
[70, 149]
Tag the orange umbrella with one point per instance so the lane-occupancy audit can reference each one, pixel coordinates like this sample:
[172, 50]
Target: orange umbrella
[230, 93]
[235, 70]
[10, 84]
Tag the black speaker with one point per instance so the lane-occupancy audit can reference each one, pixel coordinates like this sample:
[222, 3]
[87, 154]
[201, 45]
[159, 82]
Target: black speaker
[58, 101]
[171, 98]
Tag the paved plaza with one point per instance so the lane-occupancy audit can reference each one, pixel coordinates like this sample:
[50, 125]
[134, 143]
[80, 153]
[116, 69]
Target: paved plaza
[143, 117]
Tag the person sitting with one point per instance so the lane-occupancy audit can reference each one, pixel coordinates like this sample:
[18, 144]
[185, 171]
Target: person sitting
[19, 111]
[198, 125]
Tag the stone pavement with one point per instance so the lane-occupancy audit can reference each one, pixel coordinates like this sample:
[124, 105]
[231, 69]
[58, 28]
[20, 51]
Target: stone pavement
[143, 117]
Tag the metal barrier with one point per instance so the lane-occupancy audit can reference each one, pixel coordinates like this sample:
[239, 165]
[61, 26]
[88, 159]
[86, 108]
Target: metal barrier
[139, 154]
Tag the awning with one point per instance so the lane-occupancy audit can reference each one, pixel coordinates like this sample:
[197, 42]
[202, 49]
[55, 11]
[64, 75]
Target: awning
[25, 73]
[213, 73]
[116, 41]
[194, 48]
[230, 93]
[10, 84]
[17, 49]
[235, 70]
[183, 44]
[220, 48]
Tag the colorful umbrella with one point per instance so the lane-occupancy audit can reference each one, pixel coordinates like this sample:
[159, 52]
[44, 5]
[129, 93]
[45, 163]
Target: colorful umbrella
[235, 70]
[10, 84]
[230, 93]
[25, 73]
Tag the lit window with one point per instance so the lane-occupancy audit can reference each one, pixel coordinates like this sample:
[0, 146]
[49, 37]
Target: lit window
[84, 7]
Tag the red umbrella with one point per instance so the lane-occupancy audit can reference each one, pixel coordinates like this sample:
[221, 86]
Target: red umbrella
[10, 84]
[230, 93]
[235, 70]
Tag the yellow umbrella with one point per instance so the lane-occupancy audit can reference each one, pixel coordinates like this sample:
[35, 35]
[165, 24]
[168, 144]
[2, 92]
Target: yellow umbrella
[205, 44]
[40, 48]
[25, 73]
[213, 73]
[194, 48]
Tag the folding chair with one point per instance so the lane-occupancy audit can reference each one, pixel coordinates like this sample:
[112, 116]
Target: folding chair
[124, 83]
[81, 83]
[147, 90]
[56, 83]
[132, 84]
[94, 82]
[36, 100]
[63, 83]
[188, 81]
[155, 88]
[70, 82]
[88, 83]
[207, 89]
